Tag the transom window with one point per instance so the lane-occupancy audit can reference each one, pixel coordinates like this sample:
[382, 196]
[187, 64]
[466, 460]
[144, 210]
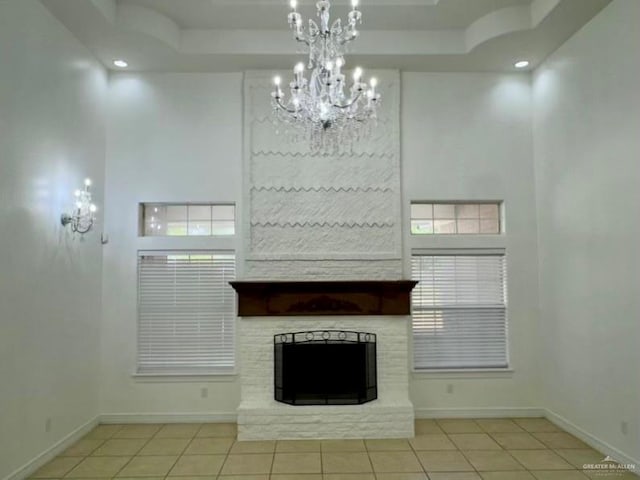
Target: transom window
[455, 218]
[193, 219]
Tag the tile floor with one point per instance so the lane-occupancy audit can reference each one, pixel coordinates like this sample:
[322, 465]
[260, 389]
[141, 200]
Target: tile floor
[486, 449]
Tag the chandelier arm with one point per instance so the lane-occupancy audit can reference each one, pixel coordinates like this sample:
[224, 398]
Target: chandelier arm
[350, 104]
[302, 38]
[283, 107]
[345, 37]
[346, 40]
[79, 229]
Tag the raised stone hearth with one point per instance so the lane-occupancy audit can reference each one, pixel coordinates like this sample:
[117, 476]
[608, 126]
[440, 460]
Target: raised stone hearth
[261, 417]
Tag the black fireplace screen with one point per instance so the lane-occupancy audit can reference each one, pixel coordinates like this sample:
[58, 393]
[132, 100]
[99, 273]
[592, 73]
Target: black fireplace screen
[326, 367]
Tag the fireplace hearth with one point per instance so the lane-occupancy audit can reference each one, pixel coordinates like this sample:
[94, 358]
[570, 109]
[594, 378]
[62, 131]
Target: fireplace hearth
[327, 367]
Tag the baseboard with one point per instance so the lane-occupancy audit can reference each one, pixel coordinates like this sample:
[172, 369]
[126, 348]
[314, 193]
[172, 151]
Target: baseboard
[219, 417]
[489, 412]
[593, 441]
[57, 448]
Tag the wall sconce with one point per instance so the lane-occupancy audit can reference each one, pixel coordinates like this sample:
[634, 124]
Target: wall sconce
[82, 218]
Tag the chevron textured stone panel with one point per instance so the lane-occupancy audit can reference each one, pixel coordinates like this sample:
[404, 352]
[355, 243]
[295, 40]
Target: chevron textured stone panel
[304, 206]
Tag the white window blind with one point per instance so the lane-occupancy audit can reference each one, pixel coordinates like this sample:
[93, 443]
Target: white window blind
[186, 312]
[459, 311]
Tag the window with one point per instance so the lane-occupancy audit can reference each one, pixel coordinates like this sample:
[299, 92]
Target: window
[455, 218]
[459, 311]
[165, 219]
[186, 312]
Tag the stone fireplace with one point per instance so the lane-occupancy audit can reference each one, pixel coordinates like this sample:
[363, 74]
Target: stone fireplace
[268, 310]
[323, 252]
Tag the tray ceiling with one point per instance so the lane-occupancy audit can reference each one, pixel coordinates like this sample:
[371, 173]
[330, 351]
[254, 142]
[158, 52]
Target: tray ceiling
[231, 35]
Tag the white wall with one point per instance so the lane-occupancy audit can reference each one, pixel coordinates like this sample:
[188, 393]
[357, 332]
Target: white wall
[171, 138]
[51, 136]
[468, 137]
[587, 147]
[174, 137]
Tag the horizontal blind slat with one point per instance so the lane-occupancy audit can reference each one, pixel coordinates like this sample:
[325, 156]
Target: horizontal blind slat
[186, 312]
[459, 311]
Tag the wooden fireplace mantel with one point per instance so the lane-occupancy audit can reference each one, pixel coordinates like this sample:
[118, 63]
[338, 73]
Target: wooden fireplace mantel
[264, 299]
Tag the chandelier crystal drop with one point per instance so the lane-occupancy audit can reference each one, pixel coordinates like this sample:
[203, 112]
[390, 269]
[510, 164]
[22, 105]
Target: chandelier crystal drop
[322, 109]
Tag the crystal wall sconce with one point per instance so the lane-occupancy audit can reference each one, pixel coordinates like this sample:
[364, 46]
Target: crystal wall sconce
[83, 216]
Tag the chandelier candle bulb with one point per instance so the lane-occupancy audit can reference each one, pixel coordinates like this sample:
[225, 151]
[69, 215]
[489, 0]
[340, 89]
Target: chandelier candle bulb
[294, 17]
[374, 83]
[277, 93]
[299, 71]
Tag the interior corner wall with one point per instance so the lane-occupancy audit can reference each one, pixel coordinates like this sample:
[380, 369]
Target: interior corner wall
[52, 130]
[587, 146]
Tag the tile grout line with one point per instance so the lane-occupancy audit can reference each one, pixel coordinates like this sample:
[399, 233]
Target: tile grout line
[104, 440]
[93, 451]
[133, 456]
[273, 459]
[373, 471]
[182, 454]
[415, 452]
[226, 456]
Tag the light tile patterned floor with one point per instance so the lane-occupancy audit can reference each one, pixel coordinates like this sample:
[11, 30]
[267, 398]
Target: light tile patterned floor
[448, 449]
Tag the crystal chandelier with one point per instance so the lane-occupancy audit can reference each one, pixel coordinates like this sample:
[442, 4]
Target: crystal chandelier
[318, 108]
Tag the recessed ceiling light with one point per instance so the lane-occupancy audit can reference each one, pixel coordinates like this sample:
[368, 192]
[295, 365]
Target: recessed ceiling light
[521, 64]
[120, 63]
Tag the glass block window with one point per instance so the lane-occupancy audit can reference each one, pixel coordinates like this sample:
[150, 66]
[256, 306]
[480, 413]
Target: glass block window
[455, 218]
[192, 219]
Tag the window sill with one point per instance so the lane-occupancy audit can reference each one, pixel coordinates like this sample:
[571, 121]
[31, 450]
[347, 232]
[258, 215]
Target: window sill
[475, 373]
[223, 377]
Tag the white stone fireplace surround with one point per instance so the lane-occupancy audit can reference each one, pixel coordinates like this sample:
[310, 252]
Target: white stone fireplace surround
[260, 417]
[313, 217]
